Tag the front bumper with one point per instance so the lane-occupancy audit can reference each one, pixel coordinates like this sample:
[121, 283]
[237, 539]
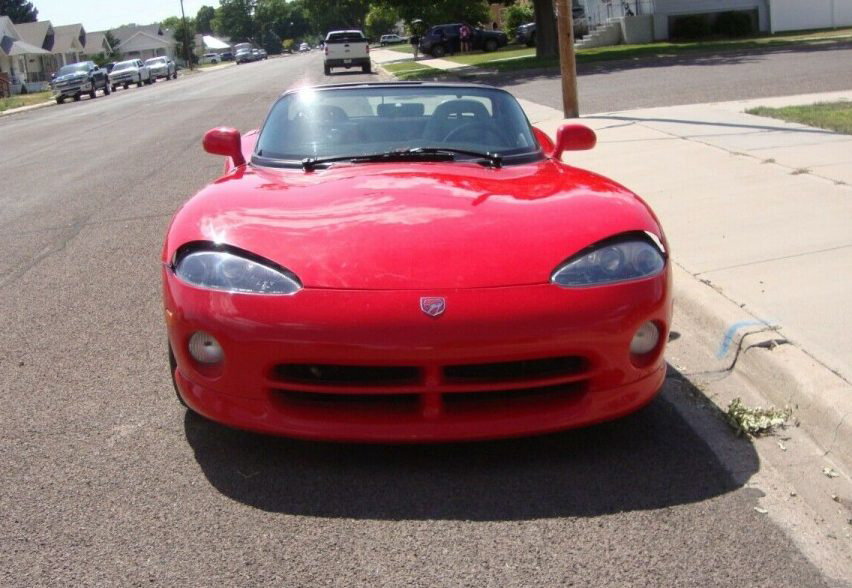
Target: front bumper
[72, 89]
[256, 387]
[160, 73]
[123, 79]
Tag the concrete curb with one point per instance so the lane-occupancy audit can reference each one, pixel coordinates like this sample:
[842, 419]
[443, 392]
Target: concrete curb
[12, 111]
[775, 367]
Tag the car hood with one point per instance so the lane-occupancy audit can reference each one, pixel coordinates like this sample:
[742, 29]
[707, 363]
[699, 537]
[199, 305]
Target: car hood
[412, 226]
[71, 77]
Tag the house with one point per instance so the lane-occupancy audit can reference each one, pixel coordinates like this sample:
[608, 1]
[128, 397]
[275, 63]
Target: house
[653, 19]
[63, 45]
[144, 41]
[70, 43]
[209, 44]
[96, 44]
[17, 57]
[795, 15]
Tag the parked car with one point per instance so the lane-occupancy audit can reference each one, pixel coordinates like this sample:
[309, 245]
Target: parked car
[442, 39]
[76, 79]
[227, 56]
[244, 56]
[346, 49]
[209, 58]
[304, 47]
[263, 54]
[391, 39]
[162, 67]
[521, 295]
[132, 71]
[526, 32]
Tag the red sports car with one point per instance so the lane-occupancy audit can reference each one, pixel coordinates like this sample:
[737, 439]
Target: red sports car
[412, 262]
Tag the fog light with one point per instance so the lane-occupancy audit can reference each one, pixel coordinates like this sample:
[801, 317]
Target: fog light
[204, 348]
[645, 340]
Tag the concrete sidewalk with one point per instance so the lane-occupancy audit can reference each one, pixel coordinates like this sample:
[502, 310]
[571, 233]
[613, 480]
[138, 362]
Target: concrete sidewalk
[383, 56]
[760, 211]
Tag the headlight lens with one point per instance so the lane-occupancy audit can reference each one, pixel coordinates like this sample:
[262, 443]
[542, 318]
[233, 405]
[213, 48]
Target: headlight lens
[611, 262]
[229, 272]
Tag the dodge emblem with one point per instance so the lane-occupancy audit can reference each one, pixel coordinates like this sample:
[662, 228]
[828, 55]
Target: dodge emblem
[433, 306]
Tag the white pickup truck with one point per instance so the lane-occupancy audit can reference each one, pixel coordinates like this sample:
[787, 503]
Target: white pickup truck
[346, 49]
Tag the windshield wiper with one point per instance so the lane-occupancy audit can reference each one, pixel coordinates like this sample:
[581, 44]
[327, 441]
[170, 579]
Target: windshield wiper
[414, 154]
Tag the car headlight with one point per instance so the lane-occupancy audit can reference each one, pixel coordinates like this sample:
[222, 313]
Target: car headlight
[611, 261]
[233, 272]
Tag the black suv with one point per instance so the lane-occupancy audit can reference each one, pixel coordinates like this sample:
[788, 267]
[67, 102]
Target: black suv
[75, 79]
[442, 39]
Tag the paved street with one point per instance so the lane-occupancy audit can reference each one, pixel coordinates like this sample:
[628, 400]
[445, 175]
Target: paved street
[106, 480]
[643, 83]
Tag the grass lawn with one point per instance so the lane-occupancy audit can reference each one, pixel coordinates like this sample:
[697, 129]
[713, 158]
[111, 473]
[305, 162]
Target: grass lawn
[834, 116]
[24, 100]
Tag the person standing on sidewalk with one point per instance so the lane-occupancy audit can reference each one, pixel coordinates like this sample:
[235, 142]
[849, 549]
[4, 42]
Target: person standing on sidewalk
[464, 37]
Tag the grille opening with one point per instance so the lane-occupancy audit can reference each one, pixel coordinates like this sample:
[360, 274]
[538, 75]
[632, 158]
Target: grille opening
[516, 370]
[359, 375]
[385, 402]
[502, 398]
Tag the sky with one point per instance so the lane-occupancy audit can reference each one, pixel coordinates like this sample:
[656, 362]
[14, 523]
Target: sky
[97, 15]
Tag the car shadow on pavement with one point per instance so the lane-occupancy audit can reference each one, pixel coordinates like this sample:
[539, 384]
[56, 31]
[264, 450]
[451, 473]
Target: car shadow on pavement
[652, 459]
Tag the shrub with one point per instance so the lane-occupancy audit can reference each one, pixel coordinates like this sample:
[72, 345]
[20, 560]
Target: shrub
[733, 24]
[693, 26]
[516, 15]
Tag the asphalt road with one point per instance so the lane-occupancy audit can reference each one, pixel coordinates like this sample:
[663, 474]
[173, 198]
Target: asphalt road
[106, 480]
[693, 79]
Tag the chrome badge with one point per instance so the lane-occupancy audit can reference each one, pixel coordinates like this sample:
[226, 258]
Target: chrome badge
[433, 306]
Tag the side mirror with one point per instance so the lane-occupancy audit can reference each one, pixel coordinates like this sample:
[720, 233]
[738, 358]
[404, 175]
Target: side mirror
[573, 137]
[225, 141]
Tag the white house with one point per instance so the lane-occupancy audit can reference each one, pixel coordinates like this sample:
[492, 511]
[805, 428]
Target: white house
[144, 41]
[652, 19]
[16, 57]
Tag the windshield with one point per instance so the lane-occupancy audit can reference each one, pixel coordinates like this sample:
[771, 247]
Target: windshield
[156, 61]
[73, 68]
[124, 65]
[358, 121]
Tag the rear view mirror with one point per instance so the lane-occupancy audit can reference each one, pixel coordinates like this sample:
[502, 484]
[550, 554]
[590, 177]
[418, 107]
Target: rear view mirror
[225, 141]
[573, 137]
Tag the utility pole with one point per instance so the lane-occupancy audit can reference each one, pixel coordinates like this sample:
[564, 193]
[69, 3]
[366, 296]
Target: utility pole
[186, 52]
[565, 26]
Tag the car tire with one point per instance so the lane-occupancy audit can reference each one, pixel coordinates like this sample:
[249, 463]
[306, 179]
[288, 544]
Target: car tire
[172, 368]
[438, 51]
[531, 41]
[106, 90]
[77, 97]
[491, 45]
[366, 69]
[139, 82]
[60, 99]
[114, 87]
[127, 85]
[327, 70]
[94, 93]
[152, 79]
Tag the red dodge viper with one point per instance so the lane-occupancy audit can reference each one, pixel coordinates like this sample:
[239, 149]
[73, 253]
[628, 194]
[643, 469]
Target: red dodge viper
[402, 262]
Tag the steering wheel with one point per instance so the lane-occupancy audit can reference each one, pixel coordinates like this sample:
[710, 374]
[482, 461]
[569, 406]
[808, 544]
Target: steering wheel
[480, 128]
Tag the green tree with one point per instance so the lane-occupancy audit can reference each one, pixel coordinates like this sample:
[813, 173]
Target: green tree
[184, 34]
[329, 15]
[442, 11]
[204, 19]
[516, 15]
[380, 20]
[170, 23]
[235, 19]
[18, 11]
